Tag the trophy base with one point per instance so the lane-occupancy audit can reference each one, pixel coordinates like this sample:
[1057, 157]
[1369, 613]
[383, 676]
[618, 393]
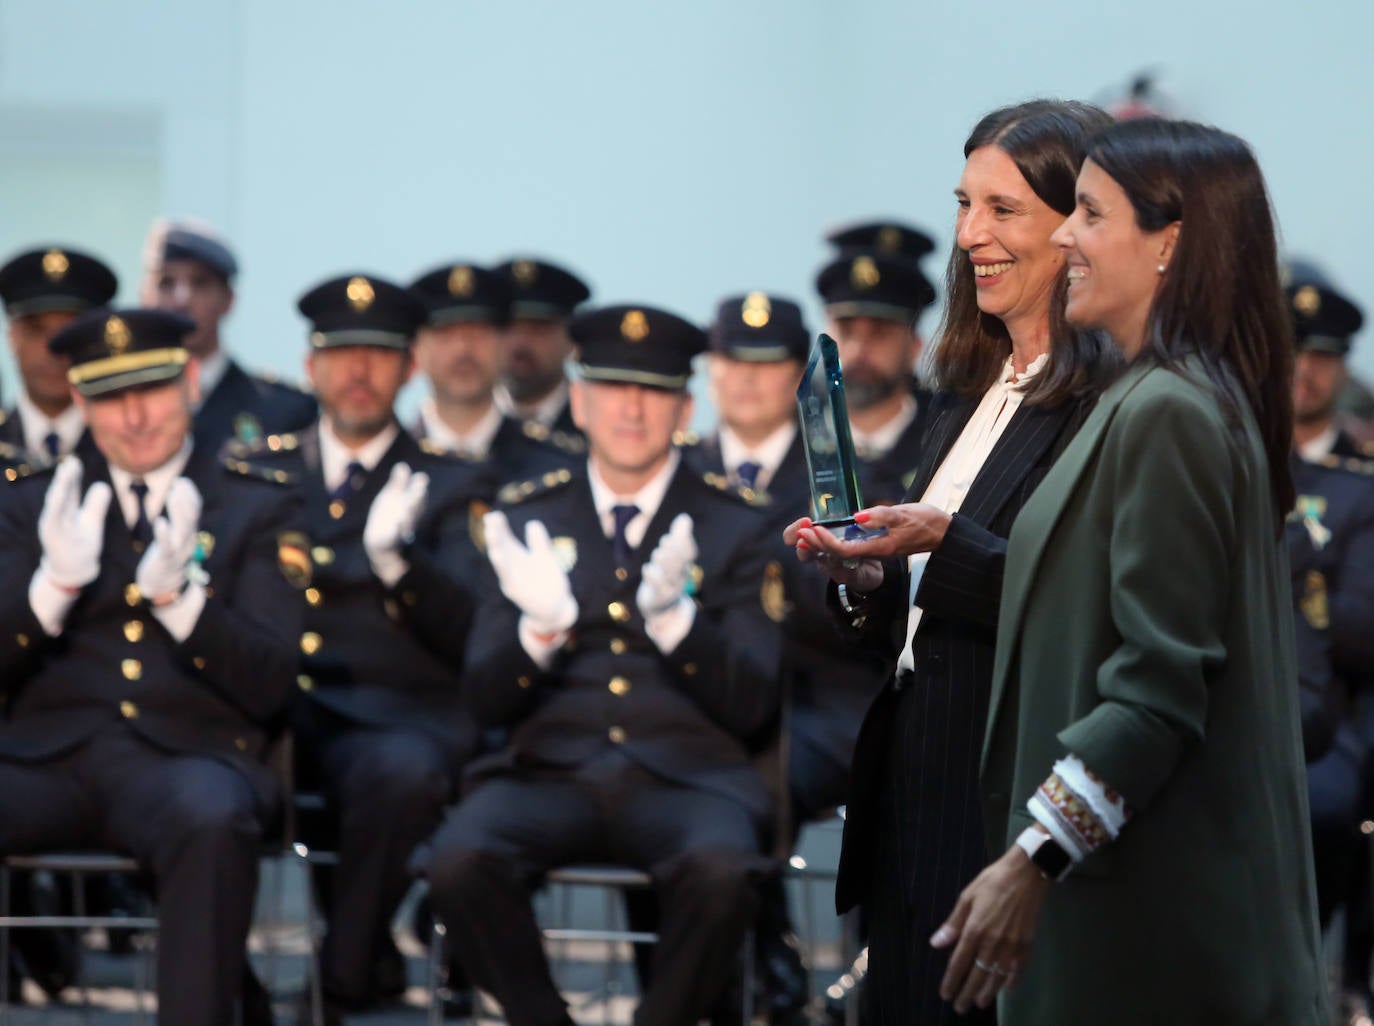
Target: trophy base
[849, 530]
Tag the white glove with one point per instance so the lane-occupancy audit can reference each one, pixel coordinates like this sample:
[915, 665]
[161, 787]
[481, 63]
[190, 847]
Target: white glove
[391, 522]
[531, 575]
[71, 529]
[663, 583]
[162, 570]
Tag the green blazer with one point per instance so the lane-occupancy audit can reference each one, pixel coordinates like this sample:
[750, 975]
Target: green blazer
[1146, 627]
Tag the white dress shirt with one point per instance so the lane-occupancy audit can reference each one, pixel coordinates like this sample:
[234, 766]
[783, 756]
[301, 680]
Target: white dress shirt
[768, 454]
[1318, 448]
[966, 457]
[212, 371]
[335, 456]
[37, 425]
[545, 411]
[875, 443]
[474, 444]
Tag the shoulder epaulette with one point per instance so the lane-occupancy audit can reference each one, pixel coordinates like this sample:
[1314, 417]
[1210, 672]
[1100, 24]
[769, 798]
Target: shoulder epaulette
[752, 496]
[1348, 463]
[258, 471]
[569, 442]
[686, 439]
[430, 447]
[16, 467]
[519, 491]
[266, 446]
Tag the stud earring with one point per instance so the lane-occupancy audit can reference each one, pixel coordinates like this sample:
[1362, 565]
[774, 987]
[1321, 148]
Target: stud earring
[1160, 268]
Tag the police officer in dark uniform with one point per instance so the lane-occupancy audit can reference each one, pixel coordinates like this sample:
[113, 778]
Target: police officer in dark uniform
[189, 270]
[147, 648]
[1324, 322]
[873, 296]
[630, 645]
[460, 349]
[1331, 542]
[759, 346]
[43, 291]
[379, 727]
[534, 385]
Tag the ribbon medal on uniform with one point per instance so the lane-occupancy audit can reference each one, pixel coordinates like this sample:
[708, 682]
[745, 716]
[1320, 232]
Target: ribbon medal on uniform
[293, 556]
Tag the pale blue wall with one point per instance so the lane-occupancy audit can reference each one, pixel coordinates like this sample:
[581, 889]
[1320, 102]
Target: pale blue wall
[673, 154]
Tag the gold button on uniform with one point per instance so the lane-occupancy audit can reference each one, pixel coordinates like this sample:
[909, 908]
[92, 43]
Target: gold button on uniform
[132, 595]
[311, 642]
[618, 646]
[128, 710]
[240, 744]
[131, 668]
[336, 508]
[619, 686]
[22, 639]
[621, 574]
[690, 669]
[312, 595]
[198, 662]
[524, 682]
[619, 612]
[305, 682]
[133, 630]
[617, 735]
[322, 554]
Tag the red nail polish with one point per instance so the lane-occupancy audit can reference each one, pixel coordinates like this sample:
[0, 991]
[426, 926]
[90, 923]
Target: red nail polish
[862, 517]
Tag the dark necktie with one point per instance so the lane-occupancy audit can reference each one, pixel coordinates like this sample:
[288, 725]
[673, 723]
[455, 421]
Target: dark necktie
[748, 473]
[143, 529]
[52, 444]
[355, 476]
[623, 515]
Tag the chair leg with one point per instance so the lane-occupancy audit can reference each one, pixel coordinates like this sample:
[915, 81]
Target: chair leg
[747, 986]
[314, 938]
[438, 984]
[5, 946]
[79, 909]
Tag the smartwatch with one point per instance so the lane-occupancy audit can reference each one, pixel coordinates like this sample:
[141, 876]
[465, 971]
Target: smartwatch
[1046, 854]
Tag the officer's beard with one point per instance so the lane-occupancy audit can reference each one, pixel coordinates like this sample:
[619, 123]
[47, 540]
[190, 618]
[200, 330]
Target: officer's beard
[863, 394]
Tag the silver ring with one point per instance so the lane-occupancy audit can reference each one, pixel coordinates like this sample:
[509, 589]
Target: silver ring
[994, 969]
[853, 563]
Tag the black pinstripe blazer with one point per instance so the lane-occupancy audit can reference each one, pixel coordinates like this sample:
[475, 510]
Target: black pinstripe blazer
[953, 648]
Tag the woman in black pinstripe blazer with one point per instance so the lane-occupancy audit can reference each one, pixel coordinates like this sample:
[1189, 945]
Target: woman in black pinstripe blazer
[1015, 383]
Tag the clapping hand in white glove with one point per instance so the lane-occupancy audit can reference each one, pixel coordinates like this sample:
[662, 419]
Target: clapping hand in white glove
[663, 583]
[530, 574]
[161, 575]
[391, 522]
[71, 529]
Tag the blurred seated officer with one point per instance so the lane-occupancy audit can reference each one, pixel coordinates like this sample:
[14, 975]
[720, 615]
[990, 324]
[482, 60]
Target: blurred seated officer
[1324, 323]
[189, 270]
[627, 645]
[872, 302]
[1335, 550]
[459, 349]
[759, 347]
[43, 291]
[147, 648]
[534, 384]
[379, 727]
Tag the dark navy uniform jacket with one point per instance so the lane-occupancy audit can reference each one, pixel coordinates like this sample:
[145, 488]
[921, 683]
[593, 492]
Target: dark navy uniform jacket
[249, 407]
[523, 449]
[382, 656]
[221, 692]
[686, 717]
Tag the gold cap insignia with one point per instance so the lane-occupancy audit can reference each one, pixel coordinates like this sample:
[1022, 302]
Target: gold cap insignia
[772, 595]
[889, 239]
[863, 273]
[634, 326]
[55, 264]
[293, 556]
[460, 281]
[1307, 300]
[117, 336]
[757, 310]
[360, 294]
[525, 272]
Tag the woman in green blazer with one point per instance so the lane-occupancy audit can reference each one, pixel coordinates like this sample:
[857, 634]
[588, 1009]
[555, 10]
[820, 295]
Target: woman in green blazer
[1143, 745]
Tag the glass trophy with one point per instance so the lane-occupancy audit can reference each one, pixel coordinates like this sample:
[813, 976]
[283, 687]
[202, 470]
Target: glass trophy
[829, 449]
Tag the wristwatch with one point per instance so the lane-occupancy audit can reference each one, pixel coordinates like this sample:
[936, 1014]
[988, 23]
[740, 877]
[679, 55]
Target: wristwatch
[855, 610]
[1046, 854]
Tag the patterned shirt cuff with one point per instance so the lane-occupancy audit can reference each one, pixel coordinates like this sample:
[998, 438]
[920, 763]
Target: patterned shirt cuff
[1079, 810]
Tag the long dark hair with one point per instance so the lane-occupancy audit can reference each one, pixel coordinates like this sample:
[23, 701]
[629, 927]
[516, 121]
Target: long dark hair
[1220, 299]
[1047, 140]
